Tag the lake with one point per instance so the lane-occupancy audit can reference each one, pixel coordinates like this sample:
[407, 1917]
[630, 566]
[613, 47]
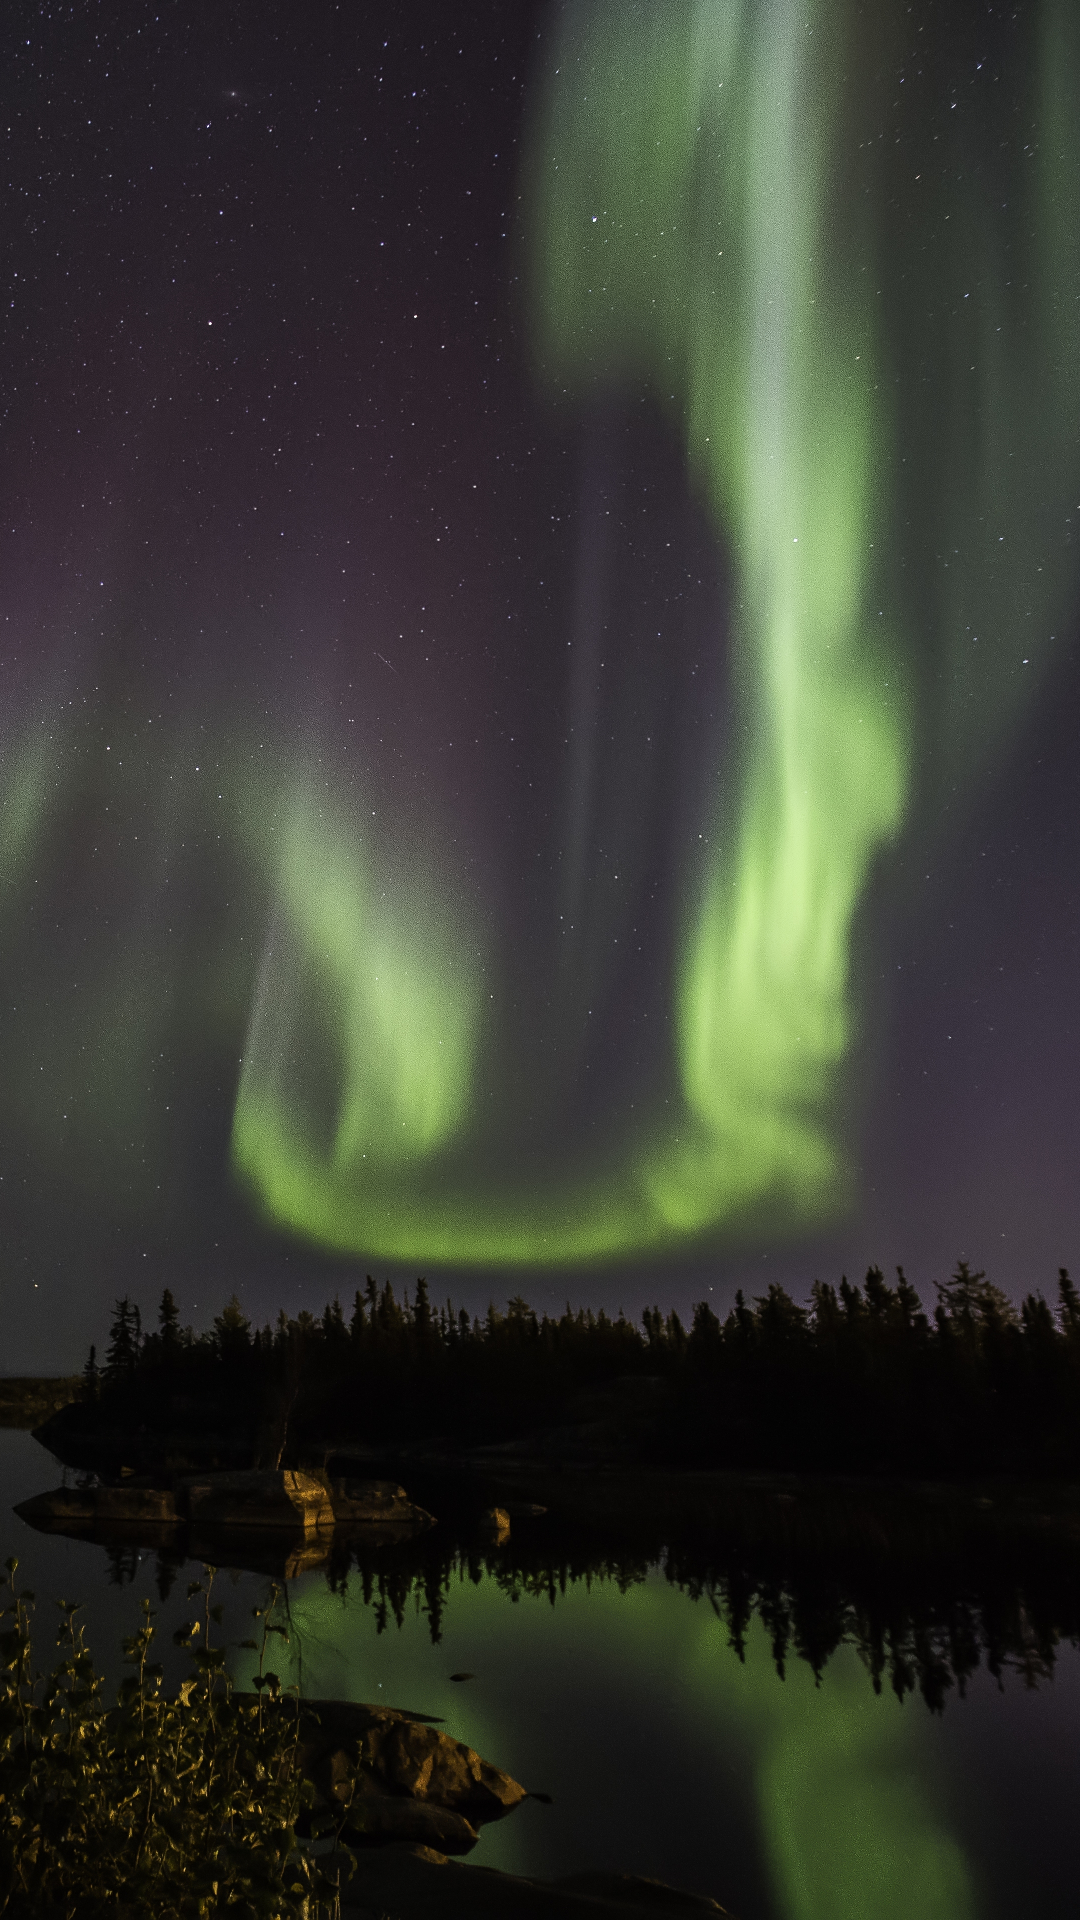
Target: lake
[644, 1696]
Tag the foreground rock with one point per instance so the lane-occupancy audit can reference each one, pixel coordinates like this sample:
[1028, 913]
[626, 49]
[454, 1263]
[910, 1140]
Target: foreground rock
[259, 1497]
[264, 1508]
[400, 1778]
[418, 1883]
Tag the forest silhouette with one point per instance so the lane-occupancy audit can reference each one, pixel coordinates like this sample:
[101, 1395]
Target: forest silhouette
[861, 1380]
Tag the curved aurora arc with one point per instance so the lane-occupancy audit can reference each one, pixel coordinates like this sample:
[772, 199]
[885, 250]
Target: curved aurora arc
[696, 227]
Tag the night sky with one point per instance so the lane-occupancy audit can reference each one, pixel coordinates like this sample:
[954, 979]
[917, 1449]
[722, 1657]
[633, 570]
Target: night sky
[447, 822]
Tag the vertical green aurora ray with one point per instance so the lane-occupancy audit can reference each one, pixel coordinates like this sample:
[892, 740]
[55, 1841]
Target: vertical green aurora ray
[357, 948]
[689, 234]
[706, 219]
[683, 232]
[29, 776]
[981, 317]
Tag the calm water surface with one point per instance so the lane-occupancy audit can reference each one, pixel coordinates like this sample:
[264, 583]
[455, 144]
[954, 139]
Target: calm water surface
[666, 1752]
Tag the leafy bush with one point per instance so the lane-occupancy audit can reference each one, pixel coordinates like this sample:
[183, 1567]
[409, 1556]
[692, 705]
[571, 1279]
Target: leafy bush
[178, 1807]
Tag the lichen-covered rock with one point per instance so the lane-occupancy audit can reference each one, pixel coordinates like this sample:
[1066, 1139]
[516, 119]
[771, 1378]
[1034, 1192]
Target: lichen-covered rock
[375, 1760]
[421, 1760]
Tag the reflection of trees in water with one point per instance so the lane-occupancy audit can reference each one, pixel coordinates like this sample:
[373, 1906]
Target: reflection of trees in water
[921, 1636]
[920, 1624]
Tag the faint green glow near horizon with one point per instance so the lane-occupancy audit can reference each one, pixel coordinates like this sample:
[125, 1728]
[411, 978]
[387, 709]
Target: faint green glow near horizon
[700, 226]
[846, 1781]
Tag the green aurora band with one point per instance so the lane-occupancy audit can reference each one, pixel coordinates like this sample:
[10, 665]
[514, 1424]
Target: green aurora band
[703, 214]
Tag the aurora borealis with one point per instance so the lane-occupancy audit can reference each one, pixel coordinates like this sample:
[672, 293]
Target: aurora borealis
[538, 641]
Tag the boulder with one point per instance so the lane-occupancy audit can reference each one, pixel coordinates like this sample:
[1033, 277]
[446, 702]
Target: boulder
[96, 1506]
[376, 1819]
[389, 1767]
[260, 1497]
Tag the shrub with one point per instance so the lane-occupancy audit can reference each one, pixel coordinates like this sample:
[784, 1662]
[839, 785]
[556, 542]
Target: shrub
[176, 1806]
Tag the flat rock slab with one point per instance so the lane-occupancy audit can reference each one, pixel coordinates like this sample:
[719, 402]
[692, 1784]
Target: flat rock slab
[417, 1884]
[264, 1507]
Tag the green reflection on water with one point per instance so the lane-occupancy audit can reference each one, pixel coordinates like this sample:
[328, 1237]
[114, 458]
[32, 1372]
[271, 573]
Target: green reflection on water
[846, 1782]
[844, 1785]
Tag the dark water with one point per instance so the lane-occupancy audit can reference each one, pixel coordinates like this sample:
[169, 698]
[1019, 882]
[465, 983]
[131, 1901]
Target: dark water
[669, 1750]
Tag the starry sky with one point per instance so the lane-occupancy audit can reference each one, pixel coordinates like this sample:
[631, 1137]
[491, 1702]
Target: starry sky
[445, 824]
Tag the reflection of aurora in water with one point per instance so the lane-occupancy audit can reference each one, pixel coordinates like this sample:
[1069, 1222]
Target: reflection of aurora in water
[778, 1691]
[682, 1761]
[844, 1783]
[800, 242]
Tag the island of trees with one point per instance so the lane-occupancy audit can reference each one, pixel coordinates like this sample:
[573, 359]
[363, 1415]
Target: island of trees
[861, 1379]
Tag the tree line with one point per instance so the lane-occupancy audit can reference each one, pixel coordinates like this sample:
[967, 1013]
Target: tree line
[859, 1379]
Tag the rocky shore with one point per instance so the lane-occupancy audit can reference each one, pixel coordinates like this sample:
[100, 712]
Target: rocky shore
[281, 1521]
[274, 1497]
[396, 1778]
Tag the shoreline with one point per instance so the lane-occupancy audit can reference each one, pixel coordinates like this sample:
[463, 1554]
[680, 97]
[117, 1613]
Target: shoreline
[28, 1402]
[27, 1399]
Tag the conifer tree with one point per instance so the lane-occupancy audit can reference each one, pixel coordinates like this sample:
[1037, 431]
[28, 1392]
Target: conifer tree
[232, 1330]
[1069, 1303]
[168, 1321]
[422, 1312]
[122, 1350]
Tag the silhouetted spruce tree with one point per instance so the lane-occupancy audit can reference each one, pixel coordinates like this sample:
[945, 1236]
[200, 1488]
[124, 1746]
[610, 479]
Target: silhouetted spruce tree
[232, 1329]
[706, 1336]
[333, 1327]
[358, 1323]
[910, 1307]
[1037, 1322]
[1068, 1306]
[422, 1313]
[123, 1349]
[878, 1297]
[168, 1323]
